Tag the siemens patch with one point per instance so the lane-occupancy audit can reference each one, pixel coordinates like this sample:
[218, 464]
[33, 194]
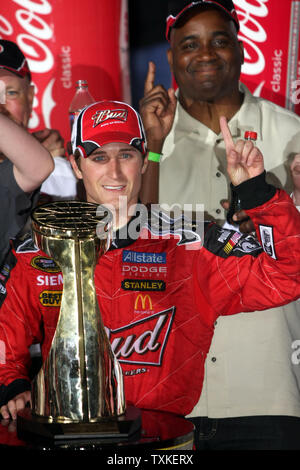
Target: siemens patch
[140, 257]
[143, 285]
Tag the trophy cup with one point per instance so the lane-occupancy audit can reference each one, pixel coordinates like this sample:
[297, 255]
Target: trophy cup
[78, 392]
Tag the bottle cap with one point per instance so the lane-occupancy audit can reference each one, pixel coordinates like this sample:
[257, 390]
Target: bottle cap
[82, 83]
[250, 135]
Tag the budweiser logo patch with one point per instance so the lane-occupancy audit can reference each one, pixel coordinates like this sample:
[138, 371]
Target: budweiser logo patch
[107, 114]
[144, 341]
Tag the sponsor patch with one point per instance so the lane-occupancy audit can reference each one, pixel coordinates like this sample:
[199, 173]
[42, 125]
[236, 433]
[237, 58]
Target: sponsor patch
[223, 236]
[266, 235]
[54, 280]
[47, 265]
[248, 245]
[143, 303]
[144, 341]
[143, 285]
[141, 257]
[232, 242]
[142, 270]
[135, 371]
[50, 298]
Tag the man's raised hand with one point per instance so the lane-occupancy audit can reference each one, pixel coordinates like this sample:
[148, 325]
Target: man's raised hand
[157, 109]
[244, 160]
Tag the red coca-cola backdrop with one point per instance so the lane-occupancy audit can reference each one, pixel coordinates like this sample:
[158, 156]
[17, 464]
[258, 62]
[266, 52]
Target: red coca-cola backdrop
[270, 33]
[65, 41]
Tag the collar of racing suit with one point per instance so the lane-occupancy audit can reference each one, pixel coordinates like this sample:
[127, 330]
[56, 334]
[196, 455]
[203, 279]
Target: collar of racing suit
[124, 236]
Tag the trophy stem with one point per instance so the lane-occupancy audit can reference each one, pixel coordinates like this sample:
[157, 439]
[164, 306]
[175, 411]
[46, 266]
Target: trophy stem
[80, 380]
[82, 352]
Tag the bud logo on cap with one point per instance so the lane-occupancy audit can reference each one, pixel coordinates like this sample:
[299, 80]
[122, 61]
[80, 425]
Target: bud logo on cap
[101, 116]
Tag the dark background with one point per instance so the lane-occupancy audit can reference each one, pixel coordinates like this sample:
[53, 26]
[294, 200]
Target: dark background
[147, 24]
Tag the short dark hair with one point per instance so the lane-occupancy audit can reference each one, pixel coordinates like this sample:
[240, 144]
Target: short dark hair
[77, 156]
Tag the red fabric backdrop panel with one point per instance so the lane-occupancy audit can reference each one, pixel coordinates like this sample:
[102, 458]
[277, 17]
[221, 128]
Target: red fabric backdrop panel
[65, 41]
[270, 32]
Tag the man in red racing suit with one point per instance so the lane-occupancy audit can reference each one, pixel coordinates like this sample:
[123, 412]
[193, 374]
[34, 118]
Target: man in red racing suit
[159, 294]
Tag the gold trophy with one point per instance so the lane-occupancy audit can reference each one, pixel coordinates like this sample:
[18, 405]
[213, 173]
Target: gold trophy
[78, 392]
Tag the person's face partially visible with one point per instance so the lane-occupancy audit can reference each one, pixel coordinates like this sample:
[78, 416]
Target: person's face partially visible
[206, 57]
[295, 170]
[18, 97]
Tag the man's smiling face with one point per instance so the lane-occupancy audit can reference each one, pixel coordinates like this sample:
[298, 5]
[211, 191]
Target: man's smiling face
[111, 171]
[206, 56]
[18, 97]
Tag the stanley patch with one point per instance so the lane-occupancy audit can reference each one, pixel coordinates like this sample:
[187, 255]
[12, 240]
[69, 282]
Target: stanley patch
[47, 265]
[50, 298]
[144, 285]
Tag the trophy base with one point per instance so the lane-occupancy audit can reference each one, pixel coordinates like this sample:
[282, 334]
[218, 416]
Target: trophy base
[32, 427]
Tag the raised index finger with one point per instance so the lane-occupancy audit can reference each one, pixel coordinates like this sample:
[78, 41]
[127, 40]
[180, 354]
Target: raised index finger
[150, 79]
[229, 144]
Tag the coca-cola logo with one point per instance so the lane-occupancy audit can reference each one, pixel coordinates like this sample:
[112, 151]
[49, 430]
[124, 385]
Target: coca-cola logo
[251, 15]
[34, 35]
[143, 342]
[252, 34]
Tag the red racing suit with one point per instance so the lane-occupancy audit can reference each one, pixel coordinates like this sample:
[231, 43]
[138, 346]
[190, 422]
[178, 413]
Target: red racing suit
[159, 296]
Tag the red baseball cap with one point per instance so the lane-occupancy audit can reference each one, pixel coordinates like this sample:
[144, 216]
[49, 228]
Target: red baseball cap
[105, 122]
[13, 59]
[226, 6]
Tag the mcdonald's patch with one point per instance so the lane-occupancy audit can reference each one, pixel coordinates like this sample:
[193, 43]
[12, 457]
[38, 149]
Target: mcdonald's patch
[143, 303]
